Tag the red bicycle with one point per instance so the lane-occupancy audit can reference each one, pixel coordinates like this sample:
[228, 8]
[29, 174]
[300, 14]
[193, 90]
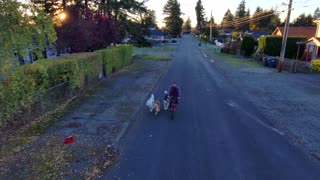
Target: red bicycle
[173, 106]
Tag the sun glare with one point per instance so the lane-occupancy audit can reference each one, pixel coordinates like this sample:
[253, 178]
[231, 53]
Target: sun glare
[62, 16]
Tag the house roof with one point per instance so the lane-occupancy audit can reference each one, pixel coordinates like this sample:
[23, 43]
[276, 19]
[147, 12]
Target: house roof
[256, 34]
[315, 40]
[157, 33]
[227, 30]
[309, 32]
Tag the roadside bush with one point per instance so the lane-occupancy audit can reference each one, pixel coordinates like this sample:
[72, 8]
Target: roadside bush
[117, 57]
[17, 88]
[247, 45]
[271, 45]
[315, 64]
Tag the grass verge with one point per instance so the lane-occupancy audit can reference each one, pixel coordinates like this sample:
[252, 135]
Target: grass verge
[225, 55]
[246, 63]
[151, 57]
[158, 49]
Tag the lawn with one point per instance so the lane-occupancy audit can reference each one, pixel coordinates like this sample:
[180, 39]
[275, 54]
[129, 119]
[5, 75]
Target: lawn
[224, 55]
[158, 49]
[151, 57]
[241, 63]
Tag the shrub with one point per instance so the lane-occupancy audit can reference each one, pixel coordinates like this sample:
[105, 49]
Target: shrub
[315, 64]
[117, 57]
[271, 45]
[17, 88]
[247, 45]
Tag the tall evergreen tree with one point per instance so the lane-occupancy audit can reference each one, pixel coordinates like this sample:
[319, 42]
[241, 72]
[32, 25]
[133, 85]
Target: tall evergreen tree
[261, 19]
[315, 14]
[215, 32]
[239, 15]
[304, 20]
[187, 25]
[275, 22]
[246, 23]
[200, 15]
[173, 20]
[227, 20]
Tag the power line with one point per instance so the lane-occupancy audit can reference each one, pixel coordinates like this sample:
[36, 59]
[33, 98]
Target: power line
[235, 22]
[247, 17]
[251, 19]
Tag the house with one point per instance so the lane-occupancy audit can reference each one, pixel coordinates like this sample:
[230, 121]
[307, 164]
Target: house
[226, 32]
[308, 32]
[313, 44]
[157, 34]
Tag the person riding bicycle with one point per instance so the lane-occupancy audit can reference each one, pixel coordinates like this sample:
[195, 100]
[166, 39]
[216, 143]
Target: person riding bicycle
[174, 93]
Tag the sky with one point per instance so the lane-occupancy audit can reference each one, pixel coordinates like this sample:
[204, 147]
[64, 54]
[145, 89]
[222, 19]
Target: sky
[219, 7]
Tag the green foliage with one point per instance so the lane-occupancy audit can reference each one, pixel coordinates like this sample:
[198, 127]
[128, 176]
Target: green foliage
[187, 25]
[304, 21]
[235, 34]
[263, 19]
[247, 45]
[239, 15]
[316, 65]
[173, 18]
[227, 21]
[151, 57]
[206, 29]
[200, 15]
[271, 45]
[22, 31]
[117, 57]
[17, 88]
[275, 22]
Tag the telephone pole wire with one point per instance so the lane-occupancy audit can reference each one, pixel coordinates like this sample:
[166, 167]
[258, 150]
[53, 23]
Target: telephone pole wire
[285, 36]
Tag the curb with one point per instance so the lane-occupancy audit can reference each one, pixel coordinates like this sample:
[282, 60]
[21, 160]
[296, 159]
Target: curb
[127, 125]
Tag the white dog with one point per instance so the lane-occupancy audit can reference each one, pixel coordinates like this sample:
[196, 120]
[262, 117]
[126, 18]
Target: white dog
[150, 103]
[166, 100]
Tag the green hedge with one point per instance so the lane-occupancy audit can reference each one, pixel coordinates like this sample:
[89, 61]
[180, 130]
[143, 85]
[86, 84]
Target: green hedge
[247, 45]
[117, 57]
[271, 45]
[316, 65]
[17, 88]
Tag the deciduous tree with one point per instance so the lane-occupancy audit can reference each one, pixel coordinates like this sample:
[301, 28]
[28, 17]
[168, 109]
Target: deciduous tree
[21, 31]
[83, 30]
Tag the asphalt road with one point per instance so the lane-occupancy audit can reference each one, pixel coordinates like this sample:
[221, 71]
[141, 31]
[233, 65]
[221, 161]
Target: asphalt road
[217, 133]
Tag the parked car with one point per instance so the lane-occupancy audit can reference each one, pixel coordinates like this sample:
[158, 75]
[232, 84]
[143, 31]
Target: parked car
[270, 61]
[126, 40]
[165, 41]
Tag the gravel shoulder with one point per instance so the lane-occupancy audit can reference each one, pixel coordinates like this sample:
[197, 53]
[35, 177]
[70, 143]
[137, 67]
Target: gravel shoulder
[95, 123]
[289, 100]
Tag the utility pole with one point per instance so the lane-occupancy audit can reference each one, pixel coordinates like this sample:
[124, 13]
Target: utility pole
[285, 36]
[211, 28]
